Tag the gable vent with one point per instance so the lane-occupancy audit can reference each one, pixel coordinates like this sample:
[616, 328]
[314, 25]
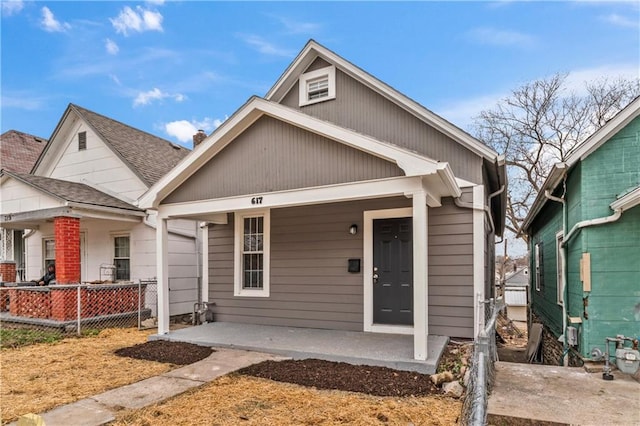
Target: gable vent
[82, 141]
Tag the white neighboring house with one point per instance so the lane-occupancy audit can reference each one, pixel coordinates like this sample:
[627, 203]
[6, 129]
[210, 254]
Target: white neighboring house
[78, 207]
[515, 294]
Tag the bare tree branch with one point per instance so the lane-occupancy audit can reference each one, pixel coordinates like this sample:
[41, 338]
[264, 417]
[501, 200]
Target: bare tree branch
[540, 123]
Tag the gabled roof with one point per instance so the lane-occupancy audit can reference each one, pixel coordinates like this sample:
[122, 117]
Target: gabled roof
[148, 156]
[579, 153]
[71, 192]
[412, 163]
[19, 151]
[312, 50]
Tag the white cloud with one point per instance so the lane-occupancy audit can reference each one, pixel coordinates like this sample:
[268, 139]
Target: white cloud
[263, 46]
[155, 2]
[50, 23]
[293, 26]
[138, 20]
[576, 79]
[155, 94]
[184, 130]
[111, 46]
[621, 21]
[11, 7]
[115, 79]
[493, 36]
[23, 100]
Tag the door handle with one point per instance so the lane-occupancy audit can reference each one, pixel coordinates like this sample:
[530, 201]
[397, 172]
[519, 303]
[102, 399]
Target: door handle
[375, 278]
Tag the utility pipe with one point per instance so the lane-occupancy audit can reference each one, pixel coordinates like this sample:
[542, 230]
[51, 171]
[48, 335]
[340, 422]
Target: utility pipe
[563, 259]
[592, 222]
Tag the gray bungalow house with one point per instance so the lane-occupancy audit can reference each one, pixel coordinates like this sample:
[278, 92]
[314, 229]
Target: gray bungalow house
[336, 202]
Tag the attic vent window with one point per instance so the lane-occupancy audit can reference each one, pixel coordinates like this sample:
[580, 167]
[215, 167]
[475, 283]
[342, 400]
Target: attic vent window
[82, 141]
[317, 86]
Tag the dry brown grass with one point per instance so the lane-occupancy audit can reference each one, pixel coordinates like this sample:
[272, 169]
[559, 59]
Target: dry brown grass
[233, 400]
[39, 377]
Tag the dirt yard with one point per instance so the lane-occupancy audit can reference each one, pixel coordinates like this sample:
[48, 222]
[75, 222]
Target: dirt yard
[73, 369]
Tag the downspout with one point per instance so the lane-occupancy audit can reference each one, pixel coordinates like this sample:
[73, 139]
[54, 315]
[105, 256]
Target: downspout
[563, 255]
[617, 213]
[463, 204]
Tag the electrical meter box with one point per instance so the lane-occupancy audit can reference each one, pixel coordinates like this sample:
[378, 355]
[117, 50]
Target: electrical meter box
[572, 336]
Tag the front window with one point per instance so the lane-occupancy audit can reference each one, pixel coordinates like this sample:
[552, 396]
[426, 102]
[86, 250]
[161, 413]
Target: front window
[539, 259]
[252, 254]
[121, 258]
[49, 257]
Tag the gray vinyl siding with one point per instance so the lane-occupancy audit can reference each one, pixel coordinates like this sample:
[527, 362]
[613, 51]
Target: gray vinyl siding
[271, 156]
[360, 108]
[451, 270]
[310, 285]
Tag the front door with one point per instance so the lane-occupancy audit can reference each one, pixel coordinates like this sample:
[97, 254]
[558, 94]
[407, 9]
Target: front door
[393, 271]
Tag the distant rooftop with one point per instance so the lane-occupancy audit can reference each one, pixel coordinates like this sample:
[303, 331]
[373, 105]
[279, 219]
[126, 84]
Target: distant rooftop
[19, 151]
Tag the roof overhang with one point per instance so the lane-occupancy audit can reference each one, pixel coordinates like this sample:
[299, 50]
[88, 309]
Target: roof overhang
[595, 141]
[411, 163]
[627, 201]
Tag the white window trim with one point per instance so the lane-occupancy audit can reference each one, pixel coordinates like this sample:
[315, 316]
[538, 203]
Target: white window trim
[45, 260]
[559, 270]
[113, 253]
[329, 72]
[238, 290]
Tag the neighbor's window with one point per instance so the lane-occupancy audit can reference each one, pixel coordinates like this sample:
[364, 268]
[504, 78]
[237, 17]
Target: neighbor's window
[252, 254]
[82, 141]
[121, 258]
[49, 246]
[317, 86]
[559, 269]
[539, 249]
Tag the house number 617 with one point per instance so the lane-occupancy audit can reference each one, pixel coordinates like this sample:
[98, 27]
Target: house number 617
[256, 200]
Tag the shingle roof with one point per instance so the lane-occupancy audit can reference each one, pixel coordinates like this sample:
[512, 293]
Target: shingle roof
[149, 156]
[19, 151]
[72, 191]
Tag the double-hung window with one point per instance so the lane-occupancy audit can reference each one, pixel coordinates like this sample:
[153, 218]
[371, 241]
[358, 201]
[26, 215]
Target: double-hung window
[49, 246]
[252, 254]
[317, 86]
[121, 257]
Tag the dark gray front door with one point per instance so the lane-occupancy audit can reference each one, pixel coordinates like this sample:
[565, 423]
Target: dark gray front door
[393, 271]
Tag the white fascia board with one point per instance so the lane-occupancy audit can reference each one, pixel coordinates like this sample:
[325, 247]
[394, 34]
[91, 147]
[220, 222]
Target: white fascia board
[413, 164]
[627, 201]
[553, 180]
[603, 134]
[385, 90]
[325, 194]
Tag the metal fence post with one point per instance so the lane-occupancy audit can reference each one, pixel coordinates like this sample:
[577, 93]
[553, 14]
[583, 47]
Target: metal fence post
[139, 304]
[79, 308]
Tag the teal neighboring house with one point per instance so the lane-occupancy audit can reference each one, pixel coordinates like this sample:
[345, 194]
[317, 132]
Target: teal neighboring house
[584, 230]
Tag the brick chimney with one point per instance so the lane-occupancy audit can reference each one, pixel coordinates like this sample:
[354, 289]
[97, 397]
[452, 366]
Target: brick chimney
[199, 137]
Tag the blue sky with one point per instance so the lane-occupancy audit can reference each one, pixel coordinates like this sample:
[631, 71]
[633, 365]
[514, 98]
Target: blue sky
[172, 67]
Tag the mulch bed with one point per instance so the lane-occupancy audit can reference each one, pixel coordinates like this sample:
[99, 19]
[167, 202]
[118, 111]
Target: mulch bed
[178, 353]
[379, 381]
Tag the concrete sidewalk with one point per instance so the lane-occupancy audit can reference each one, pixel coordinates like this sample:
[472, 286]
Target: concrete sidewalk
[552, 395]
[101, 409]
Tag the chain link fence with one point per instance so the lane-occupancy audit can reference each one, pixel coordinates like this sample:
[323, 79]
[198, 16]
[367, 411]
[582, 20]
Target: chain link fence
[30, 314]
[482, 371]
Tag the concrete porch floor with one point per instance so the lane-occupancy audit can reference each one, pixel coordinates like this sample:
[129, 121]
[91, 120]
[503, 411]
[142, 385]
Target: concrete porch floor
[386, 350]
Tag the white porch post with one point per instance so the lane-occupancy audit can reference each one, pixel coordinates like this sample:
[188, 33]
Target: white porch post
[205, 264]
[420, 279]
[162, 269]
[479, 236]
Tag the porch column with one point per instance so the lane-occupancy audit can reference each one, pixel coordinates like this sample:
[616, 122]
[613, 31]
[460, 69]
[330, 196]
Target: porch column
[162, 269]
[420, 278]
[67, 238]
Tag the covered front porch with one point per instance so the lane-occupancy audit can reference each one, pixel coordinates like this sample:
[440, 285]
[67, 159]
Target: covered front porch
[360, 348]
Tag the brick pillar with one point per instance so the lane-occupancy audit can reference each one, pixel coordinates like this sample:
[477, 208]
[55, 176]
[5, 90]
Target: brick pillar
[67, 236]
[8, 271]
